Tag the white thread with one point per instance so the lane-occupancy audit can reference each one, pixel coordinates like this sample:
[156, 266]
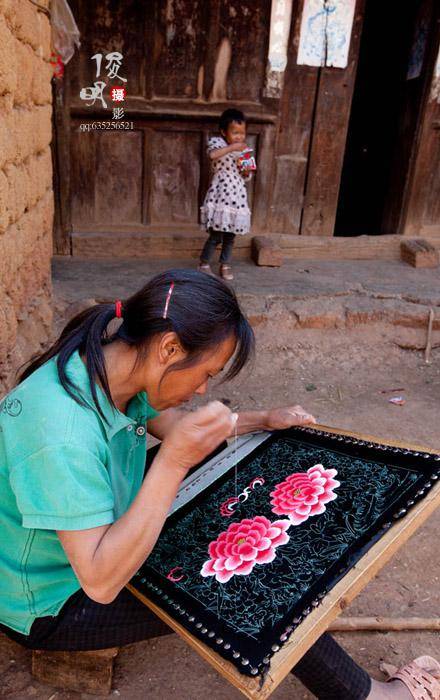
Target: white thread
[235, 415]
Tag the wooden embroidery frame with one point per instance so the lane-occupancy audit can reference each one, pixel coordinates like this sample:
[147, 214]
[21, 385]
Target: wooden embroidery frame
[335, 602]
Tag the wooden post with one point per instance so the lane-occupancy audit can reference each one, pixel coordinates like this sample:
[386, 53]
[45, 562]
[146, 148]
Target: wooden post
[384, 624]
[429, 336]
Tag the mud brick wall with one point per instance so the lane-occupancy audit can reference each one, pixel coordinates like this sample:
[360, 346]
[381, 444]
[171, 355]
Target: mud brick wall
[26, 196]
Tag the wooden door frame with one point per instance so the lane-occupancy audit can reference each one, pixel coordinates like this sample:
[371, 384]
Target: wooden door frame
[334, 89]
[412, 203]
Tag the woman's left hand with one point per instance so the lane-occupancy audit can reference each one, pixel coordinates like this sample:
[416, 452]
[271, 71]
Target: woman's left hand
[287, 417]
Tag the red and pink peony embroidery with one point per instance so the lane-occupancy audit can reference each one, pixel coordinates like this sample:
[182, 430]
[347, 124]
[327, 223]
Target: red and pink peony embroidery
[254, 540]
[305, 493]
[243, 545]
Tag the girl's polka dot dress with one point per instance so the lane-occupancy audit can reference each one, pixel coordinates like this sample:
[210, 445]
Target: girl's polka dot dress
[226, 206]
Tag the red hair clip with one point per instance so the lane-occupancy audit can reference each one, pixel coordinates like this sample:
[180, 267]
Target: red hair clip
[118, 308]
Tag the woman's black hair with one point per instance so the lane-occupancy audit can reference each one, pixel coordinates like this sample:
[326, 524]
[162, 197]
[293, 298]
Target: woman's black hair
[229, 116]
[203, 311]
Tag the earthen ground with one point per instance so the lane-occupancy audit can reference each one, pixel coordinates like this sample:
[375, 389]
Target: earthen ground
[331, 336]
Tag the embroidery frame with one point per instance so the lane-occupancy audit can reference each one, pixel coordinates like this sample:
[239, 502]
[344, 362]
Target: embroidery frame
[304, 621]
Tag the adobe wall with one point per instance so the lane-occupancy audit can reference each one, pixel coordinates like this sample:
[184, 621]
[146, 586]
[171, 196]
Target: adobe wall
[26, 196]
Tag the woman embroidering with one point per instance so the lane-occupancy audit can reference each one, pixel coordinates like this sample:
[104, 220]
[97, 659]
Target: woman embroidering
[78, 512]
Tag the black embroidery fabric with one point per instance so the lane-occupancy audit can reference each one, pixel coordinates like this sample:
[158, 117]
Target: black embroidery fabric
[248, 618]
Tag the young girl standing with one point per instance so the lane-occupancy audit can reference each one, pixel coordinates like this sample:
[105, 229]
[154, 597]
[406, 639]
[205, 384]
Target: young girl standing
[225, 212]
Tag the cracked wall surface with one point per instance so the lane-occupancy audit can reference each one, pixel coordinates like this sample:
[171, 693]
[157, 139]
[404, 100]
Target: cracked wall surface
[26, 196]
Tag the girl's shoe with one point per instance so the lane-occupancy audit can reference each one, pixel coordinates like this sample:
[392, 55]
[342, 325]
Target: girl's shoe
[421, 677]
[206, 268]
[226, 273]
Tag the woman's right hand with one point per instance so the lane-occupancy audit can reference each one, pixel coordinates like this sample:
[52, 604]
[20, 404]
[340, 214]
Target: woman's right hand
[196, 435]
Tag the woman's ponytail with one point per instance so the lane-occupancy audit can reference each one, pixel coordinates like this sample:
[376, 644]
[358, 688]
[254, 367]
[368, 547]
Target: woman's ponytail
[87, 333]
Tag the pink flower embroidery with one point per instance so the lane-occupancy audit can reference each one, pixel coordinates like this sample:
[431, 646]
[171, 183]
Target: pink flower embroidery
[304, 493]
[243, 545]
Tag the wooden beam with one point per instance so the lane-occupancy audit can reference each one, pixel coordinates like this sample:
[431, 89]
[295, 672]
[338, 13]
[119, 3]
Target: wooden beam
[156, 241]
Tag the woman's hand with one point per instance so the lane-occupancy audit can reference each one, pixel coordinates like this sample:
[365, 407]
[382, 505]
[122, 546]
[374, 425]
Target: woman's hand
[196, 435]
[287, 417]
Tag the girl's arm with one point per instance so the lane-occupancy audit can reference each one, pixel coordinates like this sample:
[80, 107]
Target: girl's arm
[220, 152]
[105, 558]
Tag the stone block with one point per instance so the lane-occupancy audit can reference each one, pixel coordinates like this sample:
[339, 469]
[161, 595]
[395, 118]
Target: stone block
[31, 130]
[25, 60]
[7, 136]
[43, 127]
[41, 91]
[38, 177]
[8, 245]
[44, 48]
[8, 323]
[22, 133]
[8, 73]
[18, 185]
[25, 21]
[265, 252]
[25, 251]
[5, 211]
[419, 253]
[6, 8]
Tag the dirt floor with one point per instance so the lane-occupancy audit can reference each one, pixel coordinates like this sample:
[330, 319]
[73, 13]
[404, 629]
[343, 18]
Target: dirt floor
[345, 374]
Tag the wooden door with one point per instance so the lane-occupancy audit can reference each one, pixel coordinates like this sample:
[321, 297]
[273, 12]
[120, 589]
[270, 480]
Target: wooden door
[184, 61]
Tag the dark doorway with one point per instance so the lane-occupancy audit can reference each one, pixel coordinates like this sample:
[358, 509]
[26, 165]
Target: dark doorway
[385, 112]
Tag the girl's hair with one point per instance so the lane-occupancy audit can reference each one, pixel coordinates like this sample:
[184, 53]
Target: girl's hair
[229, 116]
[202, 311]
